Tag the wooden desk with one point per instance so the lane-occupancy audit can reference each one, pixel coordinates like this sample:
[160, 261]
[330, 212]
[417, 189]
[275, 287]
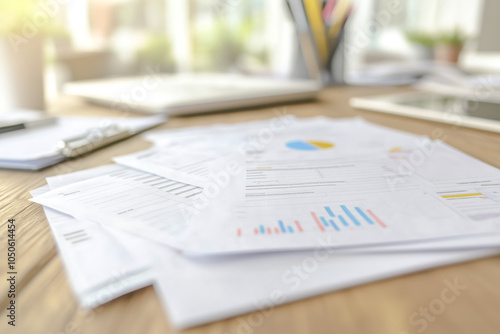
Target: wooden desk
[46, 304]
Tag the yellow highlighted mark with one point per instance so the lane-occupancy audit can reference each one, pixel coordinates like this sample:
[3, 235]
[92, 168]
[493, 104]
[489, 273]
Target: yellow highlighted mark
[462, 195]
[321, 144]
[395, 149]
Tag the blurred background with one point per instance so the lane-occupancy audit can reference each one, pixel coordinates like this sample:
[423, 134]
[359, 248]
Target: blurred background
[87, 39]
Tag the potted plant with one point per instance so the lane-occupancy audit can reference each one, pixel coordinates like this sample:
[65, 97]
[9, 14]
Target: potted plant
[449, 46]
[424, 43]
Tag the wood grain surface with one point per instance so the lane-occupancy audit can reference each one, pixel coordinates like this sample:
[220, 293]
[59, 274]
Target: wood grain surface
[46, 303]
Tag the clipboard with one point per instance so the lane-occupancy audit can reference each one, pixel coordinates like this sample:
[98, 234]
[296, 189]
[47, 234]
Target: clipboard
[69, 137]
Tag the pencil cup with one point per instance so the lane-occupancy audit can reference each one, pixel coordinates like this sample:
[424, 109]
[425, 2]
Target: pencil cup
[21, 79]
[333, 74]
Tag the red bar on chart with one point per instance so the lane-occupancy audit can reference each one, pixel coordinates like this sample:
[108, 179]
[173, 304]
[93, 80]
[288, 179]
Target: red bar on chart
[318, 222]
[381, 223]
[298, 226]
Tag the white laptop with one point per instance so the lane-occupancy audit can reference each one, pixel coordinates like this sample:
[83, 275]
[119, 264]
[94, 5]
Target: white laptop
[191, 93]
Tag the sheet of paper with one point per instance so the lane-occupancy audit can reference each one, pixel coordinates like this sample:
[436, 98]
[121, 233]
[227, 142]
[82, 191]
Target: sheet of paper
[190, 167]
[185, 155]
[129, 198]
[199, 292]
[101, 263]
[294, 203]
[288, 137]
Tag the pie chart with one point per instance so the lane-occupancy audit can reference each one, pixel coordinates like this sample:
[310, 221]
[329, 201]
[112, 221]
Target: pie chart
[309, 145]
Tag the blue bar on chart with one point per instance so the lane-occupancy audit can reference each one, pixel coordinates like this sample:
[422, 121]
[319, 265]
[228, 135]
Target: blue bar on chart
[334, 225]
[323, 220]
[350, 215]
[342, 220]
[329, 211]
[365, 217]
[262, 229]
[290, 229]
[282, 226]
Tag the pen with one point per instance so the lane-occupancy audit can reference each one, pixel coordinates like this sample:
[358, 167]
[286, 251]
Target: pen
[27, 125]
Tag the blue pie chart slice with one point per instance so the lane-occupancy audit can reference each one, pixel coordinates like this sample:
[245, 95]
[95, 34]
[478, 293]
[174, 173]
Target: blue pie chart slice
[301, 146]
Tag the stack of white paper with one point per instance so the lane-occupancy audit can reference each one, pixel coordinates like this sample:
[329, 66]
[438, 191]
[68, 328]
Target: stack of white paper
[232, 218]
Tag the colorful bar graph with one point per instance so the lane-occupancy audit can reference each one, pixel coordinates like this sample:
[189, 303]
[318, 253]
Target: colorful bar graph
[342, 220]
[350, 215]
[334, 225]
[365, 217]
[329, 211]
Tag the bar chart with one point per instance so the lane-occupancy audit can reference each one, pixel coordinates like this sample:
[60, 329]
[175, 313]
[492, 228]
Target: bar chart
[330, 218]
